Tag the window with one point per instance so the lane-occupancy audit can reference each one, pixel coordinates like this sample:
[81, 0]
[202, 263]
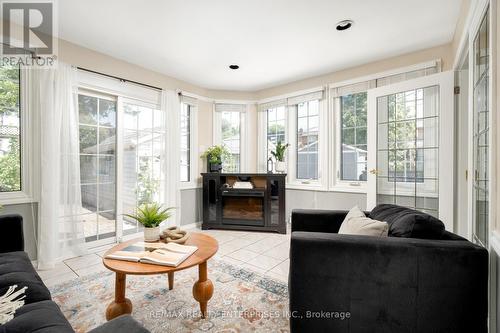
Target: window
[97, 119]
[185, 119]
[349, 139]
[276, 120]
[229, 120]
[481, 183]
[307, 146]
[10, 130]
[405, 132]
[353, 137]
[142, 158]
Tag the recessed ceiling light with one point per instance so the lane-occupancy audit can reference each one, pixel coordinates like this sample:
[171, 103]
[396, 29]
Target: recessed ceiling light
[344, 25]
[234, 66]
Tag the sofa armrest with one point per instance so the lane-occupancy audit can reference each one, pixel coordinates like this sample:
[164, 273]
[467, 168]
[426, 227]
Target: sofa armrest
[122, 324]
[394, 284]
[316, 220]
[11, 233]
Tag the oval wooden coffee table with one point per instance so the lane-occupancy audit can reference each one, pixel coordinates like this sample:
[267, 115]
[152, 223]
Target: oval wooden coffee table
[202, 289]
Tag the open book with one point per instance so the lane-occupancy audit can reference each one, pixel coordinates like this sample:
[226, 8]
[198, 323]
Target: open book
[170, 254]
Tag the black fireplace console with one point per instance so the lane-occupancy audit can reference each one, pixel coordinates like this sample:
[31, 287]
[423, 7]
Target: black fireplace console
[259, 208]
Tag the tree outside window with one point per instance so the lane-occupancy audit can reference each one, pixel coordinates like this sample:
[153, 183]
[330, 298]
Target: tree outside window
[353, 164]
[10, 115]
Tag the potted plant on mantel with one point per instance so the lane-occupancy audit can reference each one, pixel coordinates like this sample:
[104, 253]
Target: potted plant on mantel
[279, 155]
[151, 216]
[215, 155]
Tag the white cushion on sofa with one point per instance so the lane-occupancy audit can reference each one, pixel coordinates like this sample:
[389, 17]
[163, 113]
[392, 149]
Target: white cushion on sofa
[356, 223]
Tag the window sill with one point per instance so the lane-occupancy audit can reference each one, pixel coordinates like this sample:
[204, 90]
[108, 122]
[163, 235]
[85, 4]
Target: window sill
[15, 198]
[305, 186]
[346, 188]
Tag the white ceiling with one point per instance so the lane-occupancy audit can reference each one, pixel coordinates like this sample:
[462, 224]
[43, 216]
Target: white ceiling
[274, 41]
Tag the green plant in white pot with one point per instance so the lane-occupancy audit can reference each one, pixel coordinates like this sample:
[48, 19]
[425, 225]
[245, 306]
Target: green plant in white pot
[151, 216]
[216, 155]
[279, 155]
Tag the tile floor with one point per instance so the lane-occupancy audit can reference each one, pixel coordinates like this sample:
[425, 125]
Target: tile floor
[264, 253]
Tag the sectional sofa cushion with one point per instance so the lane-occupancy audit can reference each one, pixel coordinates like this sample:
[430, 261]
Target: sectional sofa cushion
[409, 223]
[40, 317]
[16, 269]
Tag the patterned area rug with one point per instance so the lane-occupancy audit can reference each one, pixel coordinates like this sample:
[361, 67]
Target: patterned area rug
[243, 301]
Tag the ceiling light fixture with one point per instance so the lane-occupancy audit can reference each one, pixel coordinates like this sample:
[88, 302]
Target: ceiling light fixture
[344, 25]
[234, 66]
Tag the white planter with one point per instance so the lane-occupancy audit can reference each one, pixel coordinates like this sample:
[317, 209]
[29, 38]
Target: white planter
[280, 166]
[151, 234]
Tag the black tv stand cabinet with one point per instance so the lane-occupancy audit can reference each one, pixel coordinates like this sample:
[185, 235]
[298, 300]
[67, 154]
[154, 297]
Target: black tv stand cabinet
[261, 208]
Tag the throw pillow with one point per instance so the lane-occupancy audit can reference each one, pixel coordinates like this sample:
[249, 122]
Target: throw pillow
[356, 223]
[354, 212]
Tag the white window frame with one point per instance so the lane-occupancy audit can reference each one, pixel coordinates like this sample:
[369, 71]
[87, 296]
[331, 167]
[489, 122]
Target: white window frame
[336, 184]
[123, 92]
[262, 142]
[193, 150]
[446, 143]
[217, 133]
[29, 123]
[320, 184]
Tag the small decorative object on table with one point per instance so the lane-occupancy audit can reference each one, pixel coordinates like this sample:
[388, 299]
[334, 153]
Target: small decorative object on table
[279, 155]
[215, 155]
[151, 216]
[174, 235]
[270, 165]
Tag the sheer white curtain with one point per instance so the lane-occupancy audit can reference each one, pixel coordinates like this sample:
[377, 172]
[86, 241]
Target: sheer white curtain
[170, 104]
[60, 232]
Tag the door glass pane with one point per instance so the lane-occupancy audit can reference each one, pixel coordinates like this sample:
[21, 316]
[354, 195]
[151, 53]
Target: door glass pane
[481, 133]
[97, 118]
[143, 157]
[407, 149]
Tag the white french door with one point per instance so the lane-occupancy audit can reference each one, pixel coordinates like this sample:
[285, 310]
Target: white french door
[410, 145]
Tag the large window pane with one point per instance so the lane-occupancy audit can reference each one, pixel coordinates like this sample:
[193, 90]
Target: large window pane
[231, 138]
[275, 128]
[481, 147]
[185, 142]
[307, 140]
[353, 137]
[10, 130]
[143, 156]
[97, 117]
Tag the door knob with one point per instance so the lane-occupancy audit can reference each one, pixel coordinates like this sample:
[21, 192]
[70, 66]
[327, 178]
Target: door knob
[374, 171]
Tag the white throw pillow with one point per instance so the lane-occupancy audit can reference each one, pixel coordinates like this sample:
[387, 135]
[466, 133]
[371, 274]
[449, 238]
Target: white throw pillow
[356, 223]
[354, 212]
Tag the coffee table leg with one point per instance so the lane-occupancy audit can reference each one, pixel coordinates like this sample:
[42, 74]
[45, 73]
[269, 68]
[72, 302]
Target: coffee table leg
[121, 304]
[203, 289]
[170, 280]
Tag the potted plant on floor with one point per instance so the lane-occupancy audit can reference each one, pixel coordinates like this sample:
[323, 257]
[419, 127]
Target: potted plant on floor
[279, 155]
[215, 155]
[151, 216]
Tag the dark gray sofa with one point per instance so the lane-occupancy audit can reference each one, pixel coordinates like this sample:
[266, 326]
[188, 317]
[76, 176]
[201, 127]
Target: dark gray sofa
[40, 313]
[391, 284]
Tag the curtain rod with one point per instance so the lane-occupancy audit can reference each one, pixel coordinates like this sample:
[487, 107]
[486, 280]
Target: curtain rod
[119, 78]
